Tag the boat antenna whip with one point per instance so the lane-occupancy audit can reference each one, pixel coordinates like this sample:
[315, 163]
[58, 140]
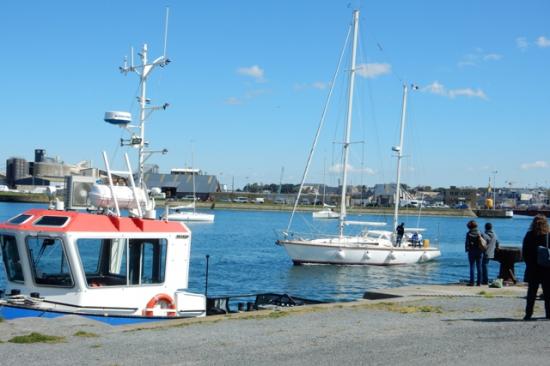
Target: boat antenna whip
[143, 71]
[206, 277]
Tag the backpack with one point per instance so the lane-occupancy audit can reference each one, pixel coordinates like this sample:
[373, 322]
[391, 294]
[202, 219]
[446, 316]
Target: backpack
[481, 243]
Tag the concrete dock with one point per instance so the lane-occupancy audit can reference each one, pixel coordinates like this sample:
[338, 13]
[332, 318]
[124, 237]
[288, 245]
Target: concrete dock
[414, 325]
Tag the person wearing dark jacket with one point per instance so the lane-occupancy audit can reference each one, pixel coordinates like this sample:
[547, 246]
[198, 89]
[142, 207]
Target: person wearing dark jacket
[474, 252]
[492, 245]
[536, 275]
[400, 232]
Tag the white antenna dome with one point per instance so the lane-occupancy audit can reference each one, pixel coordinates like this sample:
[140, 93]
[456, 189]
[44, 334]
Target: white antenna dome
[118, 118]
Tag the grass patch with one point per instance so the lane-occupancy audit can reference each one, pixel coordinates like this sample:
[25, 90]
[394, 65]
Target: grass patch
[95, 346]
[263, 315]
[1, 319]
[84, 334]
[404, 308]
[36, 338]
[486, 294]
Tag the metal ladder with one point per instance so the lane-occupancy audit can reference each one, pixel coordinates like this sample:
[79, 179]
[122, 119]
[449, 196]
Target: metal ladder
[125, 173]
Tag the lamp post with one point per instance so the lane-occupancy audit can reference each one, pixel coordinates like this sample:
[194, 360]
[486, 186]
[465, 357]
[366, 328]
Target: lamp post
[494, 189]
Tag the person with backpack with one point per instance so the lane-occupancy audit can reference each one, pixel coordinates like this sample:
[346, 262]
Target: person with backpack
[535, 273]
[492, 245]
[474, 249]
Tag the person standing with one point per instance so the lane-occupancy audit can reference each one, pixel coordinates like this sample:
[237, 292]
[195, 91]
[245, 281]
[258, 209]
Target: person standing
[474, 251]
[492, 245]
[536, 275]
[400, 232]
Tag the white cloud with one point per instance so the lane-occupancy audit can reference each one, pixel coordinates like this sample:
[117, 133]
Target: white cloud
[233, 101]
[539, 164]
[474, 59]
[522, 44]
[492, 57]
[254, 71]
[543, 42]
[437, 88]
[467, 92]
[373, 70]
[337, 168]
[321, 85]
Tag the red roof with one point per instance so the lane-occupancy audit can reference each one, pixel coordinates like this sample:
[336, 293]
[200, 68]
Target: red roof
[80, 222]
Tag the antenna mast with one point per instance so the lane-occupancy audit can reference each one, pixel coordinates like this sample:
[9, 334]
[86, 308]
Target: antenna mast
[144, 70]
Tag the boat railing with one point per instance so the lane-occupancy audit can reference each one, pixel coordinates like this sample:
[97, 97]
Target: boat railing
[292, 235]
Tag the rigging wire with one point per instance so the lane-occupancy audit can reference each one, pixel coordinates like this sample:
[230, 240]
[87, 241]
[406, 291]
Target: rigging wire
[321, 123]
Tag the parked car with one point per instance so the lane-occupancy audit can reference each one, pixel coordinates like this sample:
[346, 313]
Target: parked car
[240, 200]
[259, 200]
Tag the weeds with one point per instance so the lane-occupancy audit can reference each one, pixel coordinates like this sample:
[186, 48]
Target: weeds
[84, 334]
[36, 338]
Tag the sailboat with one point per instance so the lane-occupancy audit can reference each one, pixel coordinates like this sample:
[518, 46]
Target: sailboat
[370, 247]
[188, 212]
[327, 212]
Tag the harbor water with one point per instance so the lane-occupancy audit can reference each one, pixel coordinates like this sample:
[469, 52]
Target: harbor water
[244, 258]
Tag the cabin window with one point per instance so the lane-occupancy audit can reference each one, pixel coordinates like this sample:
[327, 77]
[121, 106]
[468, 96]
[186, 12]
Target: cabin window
[51, 221]
[49, 263]
[153, 259]
[122, 262]
[19, 219]
[12, 260]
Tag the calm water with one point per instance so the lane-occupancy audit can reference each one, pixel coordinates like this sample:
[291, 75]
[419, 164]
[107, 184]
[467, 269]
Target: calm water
[244, 258]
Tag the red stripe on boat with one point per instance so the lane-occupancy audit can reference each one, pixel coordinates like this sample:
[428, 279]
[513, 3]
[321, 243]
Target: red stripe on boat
[85, 222]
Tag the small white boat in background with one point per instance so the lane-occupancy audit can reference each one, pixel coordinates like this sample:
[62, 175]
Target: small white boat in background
[187, 213]
[326, 213]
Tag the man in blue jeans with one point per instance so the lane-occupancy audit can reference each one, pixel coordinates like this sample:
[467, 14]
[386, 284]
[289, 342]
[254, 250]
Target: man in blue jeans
[492, 245]
[474, 251]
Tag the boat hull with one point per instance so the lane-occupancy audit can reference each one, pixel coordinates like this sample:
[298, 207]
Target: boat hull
[325, 214]
[303, 252]
[10, 312]
[191, 217]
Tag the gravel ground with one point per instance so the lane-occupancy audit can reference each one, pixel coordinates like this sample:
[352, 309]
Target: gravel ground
[462, 330]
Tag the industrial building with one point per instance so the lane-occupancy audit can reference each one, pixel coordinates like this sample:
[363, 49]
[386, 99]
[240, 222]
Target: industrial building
[179, 183]
[43, 171]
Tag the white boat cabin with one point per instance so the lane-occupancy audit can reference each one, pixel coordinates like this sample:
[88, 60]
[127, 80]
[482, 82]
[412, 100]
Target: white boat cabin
[75, 262]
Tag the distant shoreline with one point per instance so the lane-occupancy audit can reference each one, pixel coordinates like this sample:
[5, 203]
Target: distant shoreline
[17, 197]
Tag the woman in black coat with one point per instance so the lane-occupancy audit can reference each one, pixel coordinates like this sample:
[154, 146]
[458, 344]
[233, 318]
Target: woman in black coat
[536, 275]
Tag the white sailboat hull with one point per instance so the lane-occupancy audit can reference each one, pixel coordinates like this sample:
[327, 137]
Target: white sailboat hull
[325, 214]
[190, 217]
[353, 252]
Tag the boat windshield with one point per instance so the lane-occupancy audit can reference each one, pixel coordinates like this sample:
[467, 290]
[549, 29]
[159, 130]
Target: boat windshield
[122, 262]
[12, 260]
[49, 263]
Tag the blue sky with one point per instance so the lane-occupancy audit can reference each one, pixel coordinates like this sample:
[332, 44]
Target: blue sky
[249, 80]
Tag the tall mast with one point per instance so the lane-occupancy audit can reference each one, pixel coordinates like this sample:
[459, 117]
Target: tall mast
[123, 118]
[142, 103]
[348, 124]
[143, 70]
[399, 151]
[193, 176]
